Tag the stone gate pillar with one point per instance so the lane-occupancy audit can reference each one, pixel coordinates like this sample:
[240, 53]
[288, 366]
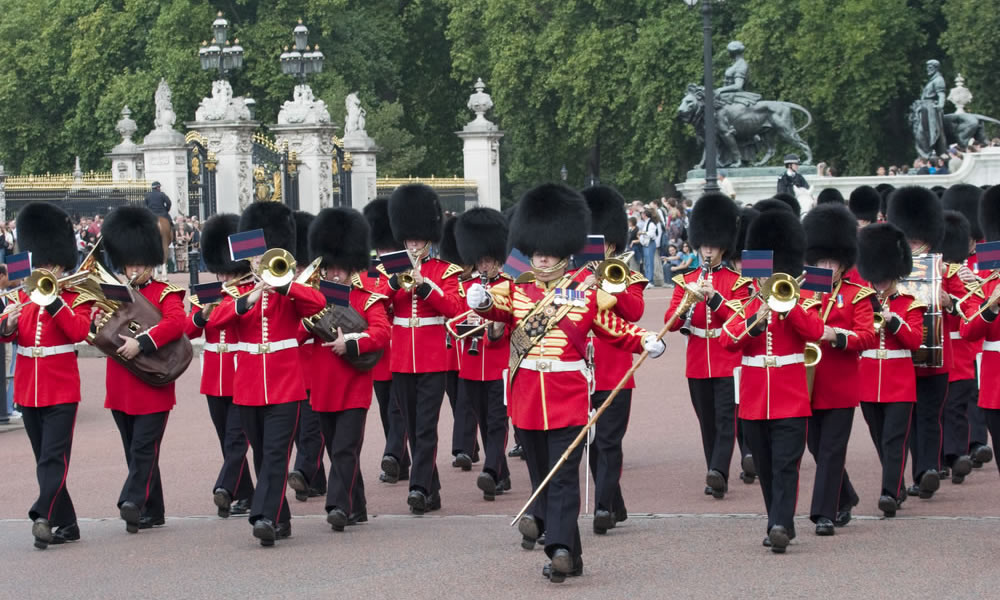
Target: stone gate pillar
[481, 149]
[304, 124]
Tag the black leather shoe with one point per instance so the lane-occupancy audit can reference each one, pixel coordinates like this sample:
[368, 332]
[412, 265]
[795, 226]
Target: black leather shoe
[562, 565]
[708, 490]
[148, 522]
[475, 456]
[767, 542]
[603, 521]
[417, 501]
[824, 526]
[297, 481]
[944, 473]
[516, 452]
[434, 502]
[576, 572]
[359, 516]
[283, 530]
[913, 490]
[962, 466]
[129, 513]
[779, 539]
[503, 485]
[717, 482]
[42, 531]
[930, 481]
[337, 519]
[747, 478]
[264, 531]
[66, 534]
[748, 467]
[620, 515]
[224, 502]
[888, 506]
[240, 507]
[982, 454]
[843, 518]
[390, 469]
[486, 483]
[462, 461]
[541, 540]
[528, 528]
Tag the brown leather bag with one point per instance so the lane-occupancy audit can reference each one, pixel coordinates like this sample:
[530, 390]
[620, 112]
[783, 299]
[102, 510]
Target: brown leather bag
[326, 323]
[158, 368]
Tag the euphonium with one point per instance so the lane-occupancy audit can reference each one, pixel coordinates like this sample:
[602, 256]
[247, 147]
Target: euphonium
[277, 267]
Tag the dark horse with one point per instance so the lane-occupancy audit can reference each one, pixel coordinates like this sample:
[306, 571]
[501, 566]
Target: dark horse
[166, 236]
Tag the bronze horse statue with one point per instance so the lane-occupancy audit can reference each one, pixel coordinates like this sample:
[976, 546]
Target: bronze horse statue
[166, 237]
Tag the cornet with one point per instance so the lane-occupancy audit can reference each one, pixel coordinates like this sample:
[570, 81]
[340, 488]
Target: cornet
[612, 275]
[277, 267]
[405, 279]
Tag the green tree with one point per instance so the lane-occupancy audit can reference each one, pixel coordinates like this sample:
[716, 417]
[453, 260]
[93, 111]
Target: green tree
[968, 41]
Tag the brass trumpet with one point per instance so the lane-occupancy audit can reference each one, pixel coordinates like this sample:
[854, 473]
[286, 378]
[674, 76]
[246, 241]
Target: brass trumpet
[277, 267]
[612, 275]
[780, 293]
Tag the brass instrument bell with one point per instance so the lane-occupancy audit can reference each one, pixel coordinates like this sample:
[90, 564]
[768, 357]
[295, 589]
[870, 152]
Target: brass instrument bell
[277, 267]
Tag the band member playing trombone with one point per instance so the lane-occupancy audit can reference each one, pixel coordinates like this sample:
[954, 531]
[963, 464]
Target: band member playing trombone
[549, 396]
[715, 220]
[45, 323]
[271, 388]
[774, 401]
[132, 241]
[832, 243]
[233, 488]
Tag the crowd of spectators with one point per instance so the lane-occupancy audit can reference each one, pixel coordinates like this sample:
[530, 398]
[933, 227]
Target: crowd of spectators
[657, 239]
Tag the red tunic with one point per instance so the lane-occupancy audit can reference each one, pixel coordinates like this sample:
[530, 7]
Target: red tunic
[493, 356]
[611, 363]
[772, 390]
[964, 352]
[54, 379]
[273, 377]
[218, 360]
[892, 379]
[707, 357]
[848, 310]
[985, 330]
[128, 393]
[379, 284]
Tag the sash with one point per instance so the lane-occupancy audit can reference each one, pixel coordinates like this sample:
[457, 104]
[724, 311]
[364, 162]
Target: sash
[542, 318]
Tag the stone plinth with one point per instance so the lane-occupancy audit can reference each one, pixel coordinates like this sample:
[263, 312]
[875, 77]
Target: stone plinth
[164, 157]
[232, 144]
[481, 149]
[363, 168]
[313, 147]
[126, 158]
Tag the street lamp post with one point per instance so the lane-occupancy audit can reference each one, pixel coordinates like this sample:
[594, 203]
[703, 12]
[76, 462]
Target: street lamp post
[220, 56]
[711, 154]
[301, 61]
[563, 173]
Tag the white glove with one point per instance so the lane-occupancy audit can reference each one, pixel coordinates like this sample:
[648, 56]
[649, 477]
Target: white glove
[653, 346]
[477, 296]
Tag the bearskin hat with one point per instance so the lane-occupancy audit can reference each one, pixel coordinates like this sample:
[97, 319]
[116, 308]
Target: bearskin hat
[830, 195]
[917, 212]
[831, 233]
[885, 190]
[781, 232]
[714, 221]
[215, 245]
[303, 220]
[865, 202]
[447, 247]
[989, 214]
[46, 231]
[938, 190]
[481, 233]
[275, 219]
[955, 243]
[551, 219]
[769, 204]
[965, 199]
[607, 215]
[377, 214]
[339, 236]
[415, 213]
[747, 215]
[792, 202]
[883, 253]
[132, 237]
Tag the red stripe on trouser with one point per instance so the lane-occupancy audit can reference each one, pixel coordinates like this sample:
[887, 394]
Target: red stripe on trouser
[62, 484]
[156, 457]
[941, 427]
[902, 466]
[243, 467]
[357, 467]
[288, 458]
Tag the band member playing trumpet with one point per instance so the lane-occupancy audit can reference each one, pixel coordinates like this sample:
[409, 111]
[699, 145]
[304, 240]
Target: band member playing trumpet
[832, 243]
[341, 394]
[421, 301]
[713, 227]
[773, 396]
[46, 376]
[549, 397]
[132, 241]
[233, 488]
[271, 384]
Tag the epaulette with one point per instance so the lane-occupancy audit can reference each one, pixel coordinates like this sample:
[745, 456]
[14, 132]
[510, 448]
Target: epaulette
[635, 277]
[977, 286]
[381, 269]
[170, 289]
[809, 303]
[863, 293]
[917, 304]
[735, 305]
[679, 280]
[605, 301]
[373, 297]
[740, 282]
[461, 290]
[953, 268]
[451, 270]
[503, 288]
[526, 277]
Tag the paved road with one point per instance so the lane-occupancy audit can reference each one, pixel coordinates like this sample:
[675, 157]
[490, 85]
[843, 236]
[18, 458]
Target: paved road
[677, 543]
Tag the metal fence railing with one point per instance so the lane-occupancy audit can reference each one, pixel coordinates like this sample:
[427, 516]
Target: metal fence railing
[86, 196]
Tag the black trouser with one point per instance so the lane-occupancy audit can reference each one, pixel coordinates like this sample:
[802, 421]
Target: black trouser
[925, 428]
[848, 496]
[344, 432]
[420, 395]
[741, 438]
[978, 435]
[485, 403]
[271, 432]
[393, 424]
[50, 431]
[777, 446]
[234, 477]
[955, 420]
[606, 450]
[141, 438]
[992, 418]
[309, 444]
[463, 430]
[556, 509]
[889, 426]
[714, 402]
[829, 431]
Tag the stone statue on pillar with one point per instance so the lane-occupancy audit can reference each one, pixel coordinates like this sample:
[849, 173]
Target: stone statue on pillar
[362, 149]
[481, 149]
[222, 105]
[126, 157]
[164, 154]
[304, 108]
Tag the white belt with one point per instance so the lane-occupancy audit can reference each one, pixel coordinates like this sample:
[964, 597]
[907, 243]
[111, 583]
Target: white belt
[773, 361]
[993, 346]
[884, 354]
[268, 347]
[42, 351]
[220, 348]
[554, 366]
[417, 321]
[702, 333]
[955, 335]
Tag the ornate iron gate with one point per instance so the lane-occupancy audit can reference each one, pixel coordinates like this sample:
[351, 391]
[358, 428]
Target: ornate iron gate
[275, 173]
[201, 177]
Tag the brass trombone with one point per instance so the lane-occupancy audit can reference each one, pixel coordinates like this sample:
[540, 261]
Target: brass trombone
[780, 293]
[977, 286]
[612, 275]
[277, 267]
[813, 354]
[988, 304]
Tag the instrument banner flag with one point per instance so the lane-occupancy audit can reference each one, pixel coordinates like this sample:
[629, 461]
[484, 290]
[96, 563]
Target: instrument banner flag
[987, 255]
[337, 294]
[757, 263]
[247, 244]
[373, 267]
[516, 264]
[208, 293]
[118, 293]
[397, 262]
[593, 251]
[18, 266]
[818, 280]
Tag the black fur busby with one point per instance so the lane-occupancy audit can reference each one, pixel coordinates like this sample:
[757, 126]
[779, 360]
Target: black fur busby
[551, 219]
[780, 231]
[415, 213]
[955, 243]
[747, 215]
[830, 195]
[377, 214]
[883, 253]
[831, 233]
[714, 221]
[938, 190]
[215, 245]
[885, 190]
[792, 202]
[917, 212]
[132, 237]
[769, 204]
[339, 236]
[607, 215]
[965, 199]
[303, 220]
[46, 231]
[447, 247]
[481, 233]
[989, 214]
[275, 219]
[865, 202]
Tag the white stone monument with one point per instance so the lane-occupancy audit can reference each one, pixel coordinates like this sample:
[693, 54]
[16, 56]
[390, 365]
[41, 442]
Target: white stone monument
[481, 149]
[228, 125]
[126, 158]
[362, 149]
[304, 124]
[164, 152]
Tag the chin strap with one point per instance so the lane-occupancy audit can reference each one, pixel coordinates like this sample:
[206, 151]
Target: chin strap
[546, 271]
